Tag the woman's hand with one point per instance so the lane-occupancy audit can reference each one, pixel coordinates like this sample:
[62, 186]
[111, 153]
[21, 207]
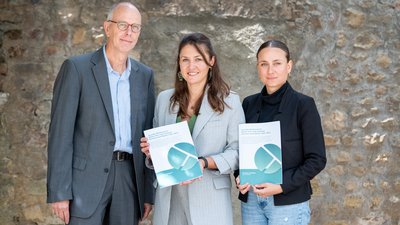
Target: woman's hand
[196, 179]
[244, 188]
[190, 181]
[145, 147]
[267, 189]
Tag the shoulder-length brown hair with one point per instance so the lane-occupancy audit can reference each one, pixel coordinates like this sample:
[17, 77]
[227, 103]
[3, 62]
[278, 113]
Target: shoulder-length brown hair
[218, 89]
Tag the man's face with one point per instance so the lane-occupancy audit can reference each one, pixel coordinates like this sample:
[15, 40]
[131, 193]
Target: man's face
[118, 40]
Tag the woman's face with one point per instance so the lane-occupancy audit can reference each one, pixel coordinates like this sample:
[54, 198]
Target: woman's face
[273, 68]
[193, 66]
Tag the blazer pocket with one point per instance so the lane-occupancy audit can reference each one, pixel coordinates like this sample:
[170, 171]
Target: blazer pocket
[79, 163]
[222, 182]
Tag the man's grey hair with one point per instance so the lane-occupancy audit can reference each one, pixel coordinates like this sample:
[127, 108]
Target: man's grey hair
[111, 11]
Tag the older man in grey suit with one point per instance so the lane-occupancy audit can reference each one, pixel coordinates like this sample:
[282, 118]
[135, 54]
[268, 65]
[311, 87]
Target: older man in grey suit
[102, 103]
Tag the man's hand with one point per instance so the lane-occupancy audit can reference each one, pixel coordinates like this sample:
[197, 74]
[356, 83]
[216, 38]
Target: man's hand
[147, 209]
[61, 209]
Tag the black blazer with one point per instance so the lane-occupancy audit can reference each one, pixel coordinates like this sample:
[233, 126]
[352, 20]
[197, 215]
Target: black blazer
[303, 147]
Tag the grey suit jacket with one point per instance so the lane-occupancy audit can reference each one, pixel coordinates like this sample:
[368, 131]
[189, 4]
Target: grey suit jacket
[214, 135]
[81, 133]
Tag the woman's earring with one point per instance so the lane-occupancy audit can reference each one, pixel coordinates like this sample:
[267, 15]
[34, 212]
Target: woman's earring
[180, 77]
[209, 74]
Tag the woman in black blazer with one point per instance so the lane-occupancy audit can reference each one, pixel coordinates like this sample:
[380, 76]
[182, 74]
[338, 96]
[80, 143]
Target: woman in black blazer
[303, 148]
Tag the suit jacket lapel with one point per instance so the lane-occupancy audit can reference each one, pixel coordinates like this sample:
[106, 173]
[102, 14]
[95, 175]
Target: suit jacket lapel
[255, 111]
[205, 113]
[171, 115]
[101, 76]
[135, 90]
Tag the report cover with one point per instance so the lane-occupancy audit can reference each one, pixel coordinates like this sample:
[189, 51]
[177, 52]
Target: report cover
[173, 154]
[260, 155]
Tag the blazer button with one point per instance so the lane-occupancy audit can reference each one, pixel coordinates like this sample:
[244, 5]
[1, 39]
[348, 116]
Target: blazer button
[105, 170]
[112, 143]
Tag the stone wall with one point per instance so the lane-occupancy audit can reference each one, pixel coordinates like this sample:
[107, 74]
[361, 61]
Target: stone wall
[346, 56]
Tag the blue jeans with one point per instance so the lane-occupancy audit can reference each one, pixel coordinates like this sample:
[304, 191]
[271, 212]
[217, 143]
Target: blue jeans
[262, 211]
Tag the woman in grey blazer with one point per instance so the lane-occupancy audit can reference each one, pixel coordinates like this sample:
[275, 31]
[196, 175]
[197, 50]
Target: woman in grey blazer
[213, 112]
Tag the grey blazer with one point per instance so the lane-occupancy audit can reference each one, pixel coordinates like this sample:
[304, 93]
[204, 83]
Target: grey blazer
[81, 133]
[214, 135]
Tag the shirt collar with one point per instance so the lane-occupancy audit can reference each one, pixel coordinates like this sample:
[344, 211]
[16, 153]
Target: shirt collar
[110, 70]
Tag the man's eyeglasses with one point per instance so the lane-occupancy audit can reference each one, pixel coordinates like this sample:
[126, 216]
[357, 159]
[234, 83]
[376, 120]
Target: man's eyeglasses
[124, 25]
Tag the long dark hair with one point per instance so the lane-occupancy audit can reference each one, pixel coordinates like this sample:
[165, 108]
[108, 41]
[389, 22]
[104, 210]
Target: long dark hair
[218, 89]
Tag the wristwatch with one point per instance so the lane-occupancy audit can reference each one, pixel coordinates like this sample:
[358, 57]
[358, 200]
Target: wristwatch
[205, 161]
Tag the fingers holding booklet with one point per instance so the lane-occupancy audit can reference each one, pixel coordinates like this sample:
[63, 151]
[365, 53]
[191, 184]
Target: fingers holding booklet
[173, 154]
[145, 146]
[243, 188]
[267, 189]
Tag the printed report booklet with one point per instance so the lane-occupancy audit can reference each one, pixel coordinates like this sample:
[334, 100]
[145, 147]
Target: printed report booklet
[260, 155]
[173, 154]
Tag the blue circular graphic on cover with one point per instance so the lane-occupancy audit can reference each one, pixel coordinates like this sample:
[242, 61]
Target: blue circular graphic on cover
[182, 156]
[267, 158]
